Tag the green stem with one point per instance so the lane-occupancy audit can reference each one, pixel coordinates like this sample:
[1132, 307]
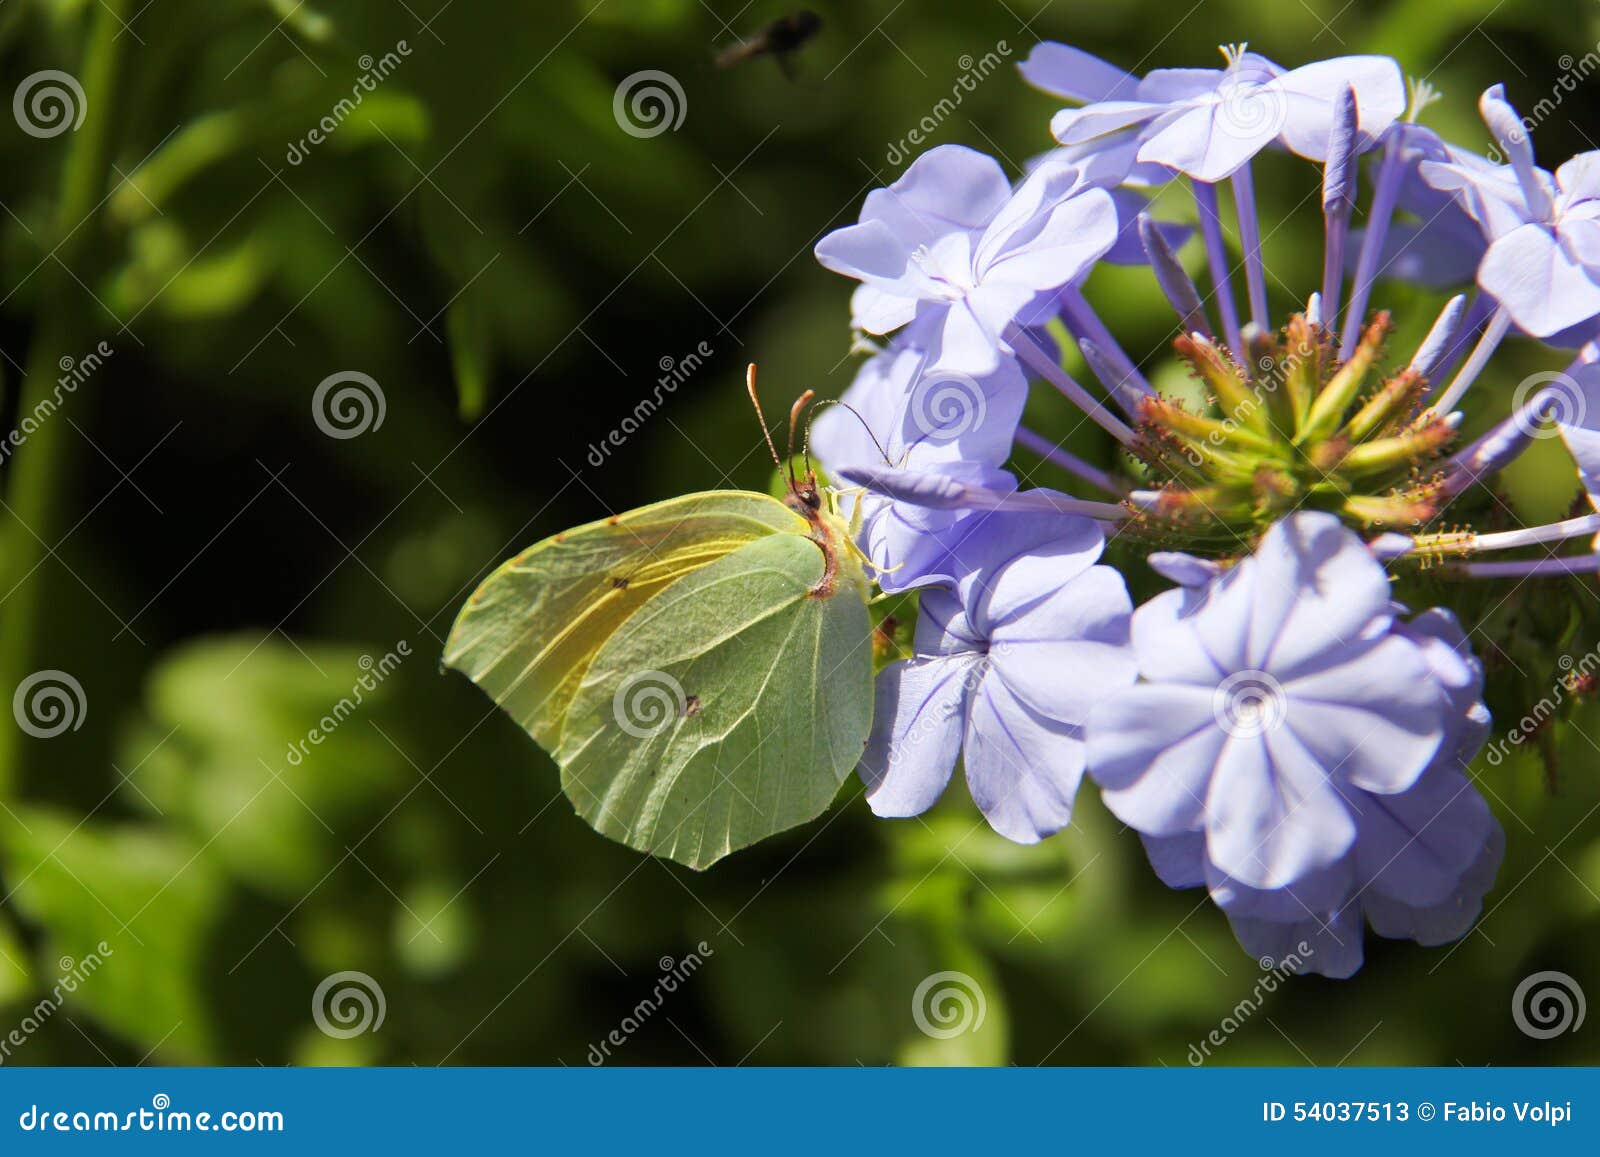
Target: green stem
[38, 468]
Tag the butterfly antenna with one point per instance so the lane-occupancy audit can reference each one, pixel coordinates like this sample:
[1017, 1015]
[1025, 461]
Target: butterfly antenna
[887, 461]
[795, 411]
[750, 384]
[805, 450]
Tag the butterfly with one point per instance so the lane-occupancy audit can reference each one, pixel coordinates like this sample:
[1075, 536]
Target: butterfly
[700, 669]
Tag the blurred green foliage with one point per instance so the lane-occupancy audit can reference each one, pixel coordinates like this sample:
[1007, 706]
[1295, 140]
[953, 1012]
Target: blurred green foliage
[516, 272]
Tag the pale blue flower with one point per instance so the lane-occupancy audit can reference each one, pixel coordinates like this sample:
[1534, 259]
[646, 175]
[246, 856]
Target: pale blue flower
[1010, 659]
[1419, 865]
[1268, 696]
[1543, 259]
[1209, 122]
[949, 243]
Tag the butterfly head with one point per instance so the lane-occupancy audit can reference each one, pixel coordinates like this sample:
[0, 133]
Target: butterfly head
[803, 495]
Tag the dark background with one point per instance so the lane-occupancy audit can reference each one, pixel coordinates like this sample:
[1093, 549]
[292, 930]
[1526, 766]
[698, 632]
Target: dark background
[512, 269]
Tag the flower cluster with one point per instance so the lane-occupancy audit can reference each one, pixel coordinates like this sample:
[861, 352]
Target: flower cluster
[1277, 726]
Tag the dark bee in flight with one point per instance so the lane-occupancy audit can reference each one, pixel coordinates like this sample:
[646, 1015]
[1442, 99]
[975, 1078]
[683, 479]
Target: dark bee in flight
[780, 40]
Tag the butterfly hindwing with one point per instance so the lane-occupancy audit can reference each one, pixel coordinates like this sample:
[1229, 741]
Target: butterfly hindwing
[729, 707]
[698, 681]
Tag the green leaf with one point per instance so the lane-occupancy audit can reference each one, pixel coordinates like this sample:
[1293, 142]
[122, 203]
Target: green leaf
[275, 745]
[433, 930]
[471, 355]
[141, 903]
[16, 977]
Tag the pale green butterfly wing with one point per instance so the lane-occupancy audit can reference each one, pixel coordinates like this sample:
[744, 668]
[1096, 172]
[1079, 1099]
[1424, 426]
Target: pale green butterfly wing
[729, 707]
[527, 634]
[697, 681]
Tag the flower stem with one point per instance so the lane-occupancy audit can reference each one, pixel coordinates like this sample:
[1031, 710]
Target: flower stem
[1255, 274]
[1493, 334]
[1205, 199]
[1069, 462]
[1085, 323]
[1338, 199]
[1384, 198]
[1554, 532]
[1530, 568]
[1500, 446]
[35, 479]
[1048, 368]
[1479, 309]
